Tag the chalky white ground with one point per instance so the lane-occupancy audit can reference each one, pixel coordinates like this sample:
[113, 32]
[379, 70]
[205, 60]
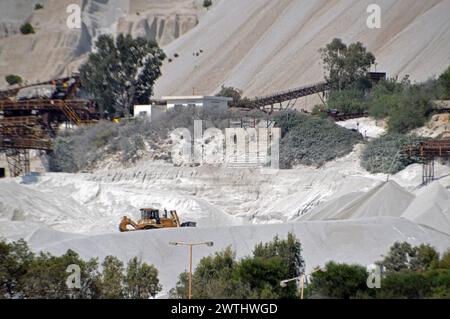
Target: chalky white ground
[339, 212]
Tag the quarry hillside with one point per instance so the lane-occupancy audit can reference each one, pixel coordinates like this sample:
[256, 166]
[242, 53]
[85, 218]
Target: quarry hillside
[259, 46]
[339, 207]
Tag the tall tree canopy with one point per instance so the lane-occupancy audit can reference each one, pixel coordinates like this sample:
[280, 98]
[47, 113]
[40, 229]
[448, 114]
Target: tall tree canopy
[122, 71]
[346, 66]
[444, 81]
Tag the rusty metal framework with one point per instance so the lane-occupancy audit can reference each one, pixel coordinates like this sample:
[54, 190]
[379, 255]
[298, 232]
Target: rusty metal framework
[31, 124]
[18, 161]
[428, 151]
[268, 103]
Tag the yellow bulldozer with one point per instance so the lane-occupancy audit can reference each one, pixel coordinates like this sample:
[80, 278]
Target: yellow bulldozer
[151, 219]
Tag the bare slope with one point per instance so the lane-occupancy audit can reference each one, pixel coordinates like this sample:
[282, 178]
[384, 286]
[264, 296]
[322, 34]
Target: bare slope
[259, 46]
[263, 45]
[431, 207]
[55, 50]
[386, 199]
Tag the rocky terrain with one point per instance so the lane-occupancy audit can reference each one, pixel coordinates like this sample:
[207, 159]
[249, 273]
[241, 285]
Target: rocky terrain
[56, 50]
[259, 46]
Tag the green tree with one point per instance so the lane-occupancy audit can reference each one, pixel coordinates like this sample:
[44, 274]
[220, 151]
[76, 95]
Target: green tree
[257, 276]
[404, 284]
[112, 278]
[15, 259]
[13, 79]
[289, 250]
[263, 276]
[398, 257]
[439, 282]
[122, 72]
[235, 94]
[425, 257]
[47, 275]
[141, 280]
[213, 278]
[346, 66]
[444, 262]
[444, 81]
[27, 28]
[340, 281]
[403, 256]
[228, 91]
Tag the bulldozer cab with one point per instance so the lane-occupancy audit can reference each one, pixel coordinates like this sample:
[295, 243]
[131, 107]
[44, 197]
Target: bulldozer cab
[150, 213]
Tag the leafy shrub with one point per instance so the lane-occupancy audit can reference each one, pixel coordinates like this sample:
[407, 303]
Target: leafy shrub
[13, 79]
[27, 28]
[207, 3]
[38, 6]
[340, 281]
[413, 108]
[83, 148]
[405, 105]
[347, 101]
[385, 155]
[313, 141]
[404, 284]
[385, 97]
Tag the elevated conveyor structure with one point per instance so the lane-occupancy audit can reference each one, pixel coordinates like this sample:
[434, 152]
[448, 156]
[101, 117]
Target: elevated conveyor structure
[30, 123]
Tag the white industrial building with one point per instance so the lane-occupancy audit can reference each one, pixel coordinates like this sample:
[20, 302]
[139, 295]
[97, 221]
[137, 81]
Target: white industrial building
[219, 103]
[150, 110]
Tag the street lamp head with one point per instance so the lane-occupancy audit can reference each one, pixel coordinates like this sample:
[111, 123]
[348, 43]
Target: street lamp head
[173, 243]
[283, 283]
[209, 243]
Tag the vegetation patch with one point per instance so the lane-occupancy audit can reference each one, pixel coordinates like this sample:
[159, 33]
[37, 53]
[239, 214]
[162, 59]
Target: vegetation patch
[83, 148]
[386, 155]
[207, 3]
[26, 275]
[222, 276]
[13, 79]
[310, 140]
[408, 272]
[27, 28]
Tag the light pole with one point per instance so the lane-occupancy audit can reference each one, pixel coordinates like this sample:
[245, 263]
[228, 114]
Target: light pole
[190, 245]
[284, 283]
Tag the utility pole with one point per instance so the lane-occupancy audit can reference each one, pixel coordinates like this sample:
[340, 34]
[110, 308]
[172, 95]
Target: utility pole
[302, 278]
[190, 245]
